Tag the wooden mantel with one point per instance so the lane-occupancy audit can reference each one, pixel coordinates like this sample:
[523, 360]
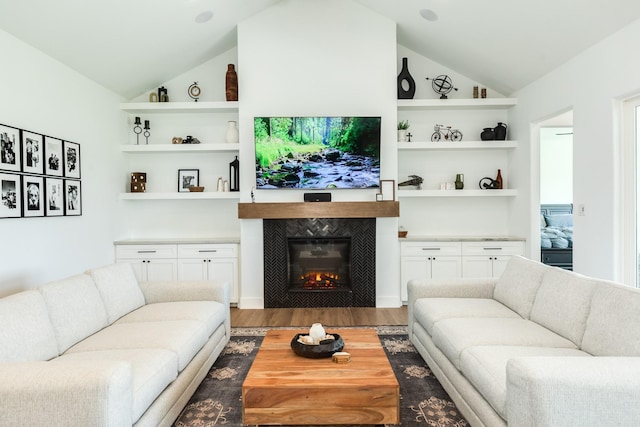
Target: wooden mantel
[318, 210]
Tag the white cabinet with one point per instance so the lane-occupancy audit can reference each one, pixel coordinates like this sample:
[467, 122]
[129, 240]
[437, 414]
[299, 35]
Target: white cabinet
[429, 260]
[488, 259]
[150, 262]
[210, 262]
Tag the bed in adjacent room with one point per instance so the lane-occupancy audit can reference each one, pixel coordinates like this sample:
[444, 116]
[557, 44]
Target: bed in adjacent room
[556, 235]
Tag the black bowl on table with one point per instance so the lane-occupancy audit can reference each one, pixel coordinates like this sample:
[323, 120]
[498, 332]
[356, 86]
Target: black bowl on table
[317, 351]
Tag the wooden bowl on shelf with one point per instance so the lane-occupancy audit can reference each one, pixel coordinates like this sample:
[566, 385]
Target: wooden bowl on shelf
[402, 233]
[194, 189]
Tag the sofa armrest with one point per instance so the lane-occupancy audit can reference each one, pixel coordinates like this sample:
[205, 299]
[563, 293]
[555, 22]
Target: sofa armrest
[65, 393]
[573, 391]
[447, 288]
[185, 290]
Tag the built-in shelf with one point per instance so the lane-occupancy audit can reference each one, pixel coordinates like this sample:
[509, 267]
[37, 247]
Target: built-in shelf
[179, 148]
[318, 210]
[462, 145]
[456, 193]
[180, 196]
[443, 104]
[179, 107]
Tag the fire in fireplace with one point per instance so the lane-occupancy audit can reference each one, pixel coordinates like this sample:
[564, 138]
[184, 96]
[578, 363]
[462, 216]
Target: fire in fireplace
[319, 264]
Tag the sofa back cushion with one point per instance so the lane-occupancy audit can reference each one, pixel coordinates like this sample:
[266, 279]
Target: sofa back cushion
[26, 333]
[563, 302]
[75, 309]
[517, 286]
[612, 326]
[118, 288]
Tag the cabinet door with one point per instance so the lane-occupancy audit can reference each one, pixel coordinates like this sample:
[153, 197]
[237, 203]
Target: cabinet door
[225, 270]
[477, 266]
[161, 269]
[499, 265]
[413, 268]
[193, 269]
[446, 267]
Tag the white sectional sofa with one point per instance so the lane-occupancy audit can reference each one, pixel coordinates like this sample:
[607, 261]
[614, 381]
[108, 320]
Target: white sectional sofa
[539, 346]
[99, 349]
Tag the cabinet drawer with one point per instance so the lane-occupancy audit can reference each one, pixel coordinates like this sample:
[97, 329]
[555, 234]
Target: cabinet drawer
[146, 251]
[430, 248]
[208, 251]
[492, 248]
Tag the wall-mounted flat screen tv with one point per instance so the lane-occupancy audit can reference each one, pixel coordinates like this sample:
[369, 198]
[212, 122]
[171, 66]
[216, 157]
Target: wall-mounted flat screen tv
[317, 153]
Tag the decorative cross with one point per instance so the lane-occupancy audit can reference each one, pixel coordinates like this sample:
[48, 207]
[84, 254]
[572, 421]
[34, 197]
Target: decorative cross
[409, 136]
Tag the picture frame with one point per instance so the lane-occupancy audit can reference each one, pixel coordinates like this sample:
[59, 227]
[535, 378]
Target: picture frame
[71, 155]
[10, 152]
[10, 195]
[32, 153]
[53, 163]
[33, 195]
[54, 193]
[388, 189]
[188, 178]
[73, 197]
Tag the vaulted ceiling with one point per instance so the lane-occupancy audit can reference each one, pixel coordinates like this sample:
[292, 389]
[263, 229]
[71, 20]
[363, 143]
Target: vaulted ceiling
[129, 46]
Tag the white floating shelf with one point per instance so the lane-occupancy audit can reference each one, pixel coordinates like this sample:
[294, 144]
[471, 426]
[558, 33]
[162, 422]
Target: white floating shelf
[181, 196]
[441, 104]
[462, 145]
[180, 107]
[457, 193]
[179, 148]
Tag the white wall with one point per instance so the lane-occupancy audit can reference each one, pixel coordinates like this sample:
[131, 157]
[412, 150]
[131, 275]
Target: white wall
[41, 95]
[305, 57]
[592, 84]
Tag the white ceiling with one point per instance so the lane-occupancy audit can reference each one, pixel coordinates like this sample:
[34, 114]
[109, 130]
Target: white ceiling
[129, 46]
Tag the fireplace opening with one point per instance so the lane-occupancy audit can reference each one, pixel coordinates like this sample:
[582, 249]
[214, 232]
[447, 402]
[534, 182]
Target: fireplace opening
[319, 264]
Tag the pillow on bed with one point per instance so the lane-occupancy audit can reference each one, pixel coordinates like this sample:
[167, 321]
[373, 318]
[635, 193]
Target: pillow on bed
[543, 222]
[564, 220]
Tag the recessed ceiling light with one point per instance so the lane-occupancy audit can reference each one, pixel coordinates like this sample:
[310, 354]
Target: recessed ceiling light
[203, 17]
[429, 15]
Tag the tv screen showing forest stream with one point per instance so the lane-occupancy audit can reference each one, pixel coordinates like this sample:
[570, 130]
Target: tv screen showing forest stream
[319, 153]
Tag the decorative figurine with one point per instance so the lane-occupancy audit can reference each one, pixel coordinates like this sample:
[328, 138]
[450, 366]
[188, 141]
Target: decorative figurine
[137, 129]
[147, 134]
[415, 180]
[446, 133]
[163, 94]
[194, 91]
[442, 85]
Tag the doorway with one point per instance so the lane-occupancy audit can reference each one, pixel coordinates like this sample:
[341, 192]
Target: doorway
[630, 181]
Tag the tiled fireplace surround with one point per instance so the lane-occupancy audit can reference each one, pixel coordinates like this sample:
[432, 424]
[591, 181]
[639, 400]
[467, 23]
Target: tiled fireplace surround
[362, 234]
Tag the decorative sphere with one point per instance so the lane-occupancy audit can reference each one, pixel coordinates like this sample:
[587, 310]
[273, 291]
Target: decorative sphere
[442, 84]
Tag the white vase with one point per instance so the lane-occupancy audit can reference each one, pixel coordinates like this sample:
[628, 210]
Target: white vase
[232, 136]
[317, 332]
[402, 135]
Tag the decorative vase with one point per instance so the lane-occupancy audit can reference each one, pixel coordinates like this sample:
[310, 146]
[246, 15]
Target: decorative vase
[459, 181]
[402, 135]
[232, 136]
[317, 332]
[405, 78]
[231, 83]
[499, 180]
[500, 131]
[488, 134]
[234, 175]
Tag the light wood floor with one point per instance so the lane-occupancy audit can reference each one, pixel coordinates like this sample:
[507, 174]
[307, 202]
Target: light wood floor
[302, 317]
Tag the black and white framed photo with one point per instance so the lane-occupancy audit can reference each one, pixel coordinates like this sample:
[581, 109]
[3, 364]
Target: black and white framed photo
[73, 197]
[9, 148]
[54, 197]
[32, 153]
[10, 196]
[188, 178]
[53, 156]
[33, 195]
[71, 152]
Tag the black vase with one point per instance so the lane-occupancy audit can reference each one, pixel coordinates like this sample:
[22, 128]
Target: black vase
[488, 134]
[500, 131]
[405, 76]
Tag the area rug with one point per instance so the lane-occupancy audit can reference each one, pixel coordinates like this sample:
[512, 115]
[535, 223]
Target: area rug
[218, 399]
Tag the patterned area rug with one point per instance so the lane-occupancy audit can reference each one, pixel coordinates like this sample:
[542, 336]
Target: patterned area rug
[217, 401]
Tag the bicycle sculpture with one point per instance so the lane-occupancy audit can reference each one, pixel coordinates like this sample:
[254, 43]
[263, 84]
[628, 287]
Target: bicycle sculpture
[446, 133]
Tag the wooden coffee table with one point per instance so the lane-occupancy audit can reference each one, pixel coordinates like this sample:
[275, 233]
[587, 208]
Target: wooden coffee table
[284, 388]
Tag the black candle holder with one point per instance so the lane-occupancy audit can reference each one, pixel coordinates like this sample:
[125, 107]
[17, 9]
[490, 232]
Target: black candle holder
[147, 134]
[137, 129]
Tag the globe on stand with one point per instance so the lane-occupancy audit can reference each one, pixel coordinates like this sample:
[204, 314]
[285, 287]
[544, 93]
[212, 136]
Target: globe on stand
[442, 85]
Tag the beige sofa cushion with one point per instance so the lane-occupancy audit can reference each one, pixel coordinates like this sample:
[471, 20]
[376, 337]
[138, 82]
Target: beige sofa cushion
[152, 371]
[486, 368]
[428, 311]
[453, 336]
[26, 333]
[517, 286]
[75, 309]
[118, 288]
[563, 302]
[612, 323]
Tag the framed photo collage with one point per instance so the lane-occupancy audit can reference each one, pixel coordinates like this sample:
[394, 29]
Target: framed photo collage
[39, 175]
